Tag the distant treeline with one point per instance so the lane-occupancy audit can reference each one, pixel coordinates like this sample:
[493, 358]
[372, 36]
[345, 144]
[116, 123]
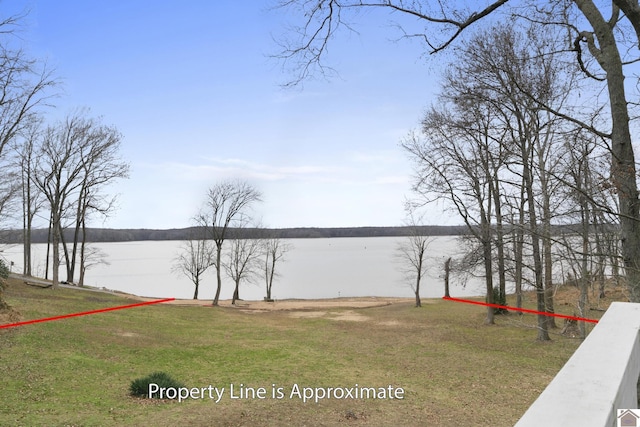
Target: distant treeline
[130, 235]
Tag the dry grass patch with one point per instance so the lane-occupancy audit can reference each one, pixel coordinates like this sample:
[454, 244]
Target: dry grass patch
[307, 314]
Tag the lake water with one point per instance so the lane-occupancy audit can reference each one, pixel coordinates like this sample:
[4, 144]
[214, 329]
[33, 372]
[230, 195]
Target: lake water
[313, 268]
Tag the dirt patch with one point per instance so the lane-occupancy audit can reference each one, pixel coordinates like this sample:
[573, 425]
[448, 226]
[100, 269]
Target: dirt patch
[389, 323]
[307, 314]
[350, 316]
[129, 334]
[294, 304]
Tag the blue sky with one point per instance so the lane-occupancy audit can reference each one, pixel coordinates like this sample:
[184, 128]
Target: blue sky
[193, 90]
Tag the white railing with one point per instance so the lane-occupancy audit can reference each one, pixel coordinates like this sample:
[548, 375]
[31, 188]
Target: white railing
[599, 378]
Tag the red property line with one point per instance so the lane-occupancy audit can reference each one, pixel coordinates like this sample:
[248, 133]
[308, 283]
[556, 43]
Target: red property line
[524, 310]
[85, 313]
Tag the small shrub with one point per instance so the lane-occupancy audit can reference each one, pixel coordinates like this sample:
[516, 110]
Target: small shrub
[140, 386]
[500, 299]
[4, 273]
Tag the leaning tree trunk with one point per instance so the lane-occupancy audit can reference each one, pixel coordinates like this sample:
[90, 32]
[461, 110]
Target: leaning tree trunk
[236, 292]
[623, 169]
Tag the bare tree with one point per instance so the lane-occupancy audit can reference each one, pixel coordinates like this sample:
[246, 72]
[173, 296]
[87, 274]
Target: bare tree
[274, 251]
[90, 257]
[586, 249]
[24, 85]
[56, 176]
[9, 189]
[412, 255]
[487, 138]
[306, 45]
[454, 163]
[194, 260]
[76, 158]
[226, 204]
[243, 262]
[101, 165]
[31, 198]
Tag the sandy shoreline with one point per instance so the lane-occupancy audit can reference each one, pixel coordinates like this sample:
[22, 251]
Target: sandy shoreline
[277, 305]
[292, 304]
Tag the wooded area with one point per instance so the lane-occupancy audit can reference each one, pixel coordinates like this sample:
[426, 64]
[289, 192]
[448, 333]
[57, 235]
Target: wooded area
[131, 235]
[532, 128]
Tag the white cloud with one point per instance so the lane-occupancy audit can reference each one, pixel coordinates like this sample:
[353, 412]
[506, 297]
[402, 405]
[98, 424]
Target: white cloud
[216, 168]
[359, 188]
[393, 179]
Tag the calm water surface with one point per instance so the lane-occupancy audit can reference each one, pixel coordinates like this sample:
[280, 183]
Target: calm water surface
[314, 268]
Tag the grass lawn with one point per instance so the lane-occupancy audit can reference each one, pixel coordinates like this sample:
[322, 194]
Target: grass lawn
[454, 370]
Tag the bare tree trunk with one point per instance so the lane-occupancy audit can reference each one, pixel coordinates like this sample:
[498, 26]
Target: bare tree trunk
[67, 260]
[27, 251]
[497, 203]
[83, 270]
[83, 243]
[447, 270]
[488, 269]
[46, 268]
[614, 252]
[487, 254]
[623, 167]
[26, 235]
[418, 278]
[584, 279]
[518, 251]
[56, 251]
[79, 234]
[601, 251]
[271, 255]
[218, 275]
[518, 247]
[71, 268]
[27, 216]
[548, 265]
[527, 178]
[236, 292]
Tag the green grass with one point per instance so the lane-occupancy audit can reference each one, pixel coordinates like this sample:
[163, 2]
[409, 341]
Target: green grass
[454, 369]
